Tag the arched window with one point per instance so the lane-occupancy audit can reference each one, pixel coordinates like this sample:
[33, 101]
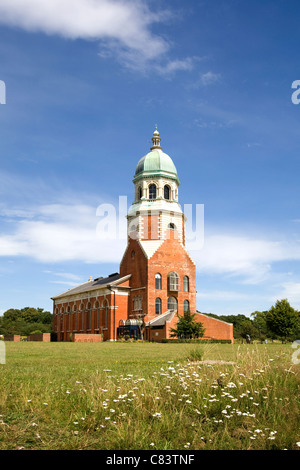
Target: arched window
[89, 316]
[186, 286]
[158, 306]
[167, 192]
[157, 281]
[171, 226]
[140, 192]
[97, 307]
[173, 281]
[152, 191]
[106, 307]
[81, 319]
[186, 306]
[69, 319]
[172, 303]
[75, 318]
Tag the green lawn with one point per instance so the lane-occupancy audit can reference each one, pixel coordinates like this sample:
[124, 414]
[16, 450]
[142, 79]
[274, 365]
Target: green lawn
[148, 396]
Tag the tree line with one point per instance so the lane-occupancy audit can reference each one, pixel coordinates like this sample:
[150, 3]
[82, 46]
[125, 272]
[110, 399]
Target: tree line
[25, 321]
[280, 322]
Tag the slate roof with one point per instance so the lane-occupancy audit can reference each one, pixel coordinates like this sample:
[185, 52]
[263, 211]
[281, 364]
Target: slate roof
[162, 319]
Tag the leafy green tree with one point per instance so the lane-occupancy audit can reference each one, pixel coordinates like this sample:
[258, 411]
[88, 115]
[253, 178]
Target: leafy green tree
[188, 327]
[24, 321]
[260, 323]
[247, 328]
[283, 321]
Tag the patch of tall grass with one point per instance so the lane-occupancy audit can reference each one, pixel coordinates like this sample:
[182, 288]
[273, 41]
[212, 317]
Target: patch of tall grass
[144, 396]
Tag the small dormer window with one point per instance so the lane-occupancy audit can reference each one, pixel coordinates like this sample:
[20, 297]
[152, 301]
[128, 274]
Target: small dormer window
[152, 191]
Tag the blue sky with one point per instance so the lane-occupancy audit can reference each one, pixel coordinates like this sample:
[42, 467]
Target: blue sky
[86, 82]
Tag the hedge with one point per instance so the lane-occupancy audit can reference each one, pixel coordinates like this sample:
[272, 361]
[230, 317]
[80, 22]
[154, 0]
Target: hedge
[173, 340]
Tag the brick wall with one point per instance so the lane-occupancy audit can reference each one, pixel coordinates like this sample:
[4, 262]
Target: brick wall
[214, 329]
[86, 338]
[12, 338]
[45, 337]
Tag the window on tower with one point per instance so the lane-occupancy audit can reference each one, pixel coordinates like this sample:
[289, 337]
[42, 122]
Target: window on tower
[172, 303]
[158, 306]
[186, 286]
[140, 192]
[152, 191]
[173, 281]
[157, 281]
[167, 192]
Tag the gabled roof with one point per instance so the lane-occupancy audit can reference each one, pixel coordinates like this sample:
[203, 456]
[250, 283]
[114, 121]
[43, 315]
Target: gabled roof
[101, 282]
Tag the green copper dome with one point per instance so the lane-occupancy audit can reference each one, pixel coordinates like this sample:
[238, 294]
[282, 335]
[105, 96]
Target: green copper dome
[156, 162]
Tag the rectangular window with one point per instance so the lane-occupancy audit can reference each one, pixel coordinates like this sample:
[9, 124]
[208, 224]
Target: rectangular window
[137, 303]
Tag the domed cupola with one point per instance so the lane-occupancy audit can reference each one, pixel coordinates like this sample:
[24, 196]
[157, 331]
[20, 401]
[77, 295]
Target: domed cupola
[156, 194]
[156, 163]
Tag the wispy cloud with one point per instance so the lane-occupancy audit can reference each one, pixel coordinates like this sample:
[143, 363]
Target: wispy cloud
[250, 259]
[291, 291]
[61, 232]
[122, 28]
[208, 78]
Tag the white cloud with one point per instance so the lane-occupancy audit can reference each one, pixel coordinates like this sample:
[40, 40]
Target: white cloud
[61, 233]
[208, 78]
[223, 295]
[238, 255]
[123, 28]
[291, 291]
[176, 65]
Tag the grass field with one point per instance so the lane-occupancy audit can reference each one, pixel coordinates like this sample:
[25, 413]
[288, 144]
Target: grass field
[146, 396]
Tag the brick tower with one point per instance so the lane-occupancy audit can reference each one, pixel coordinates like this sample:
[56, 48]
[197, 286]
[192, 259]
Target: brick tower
[163, 275]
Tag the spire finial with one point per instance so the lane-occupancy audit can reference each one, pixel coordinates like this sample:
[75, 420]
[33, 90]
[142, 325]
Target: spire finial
[156, 139]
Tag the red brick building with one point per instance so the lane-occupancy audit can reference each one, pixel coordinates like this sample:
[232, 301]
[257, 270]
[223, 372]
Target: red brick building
[157, 276]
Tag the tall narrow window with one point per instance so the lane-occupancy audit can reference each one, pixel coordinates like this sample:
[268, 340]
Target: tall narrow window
[75, 318]
[138, 303]
[157, 281]
[97, 315]
[68, 318]
[158, 306]
[173, 281]
[167, 192]
[89, 316]
[81, 317]
[152, 191]
[186, 306]
[172, 303]
[140, 192]
[186, 286]
[106, 314]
